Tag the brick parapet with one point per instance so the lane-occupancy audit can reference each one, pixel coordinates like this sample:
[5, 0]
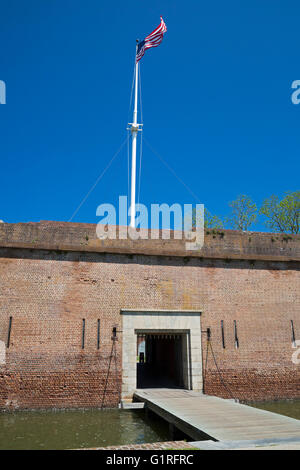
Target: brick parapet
[220, 244]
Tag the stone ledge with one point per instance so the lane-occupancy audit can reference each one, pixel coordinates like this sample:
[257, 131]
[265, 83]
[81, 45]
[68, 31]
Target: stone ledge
[221, 244]
[170, 445]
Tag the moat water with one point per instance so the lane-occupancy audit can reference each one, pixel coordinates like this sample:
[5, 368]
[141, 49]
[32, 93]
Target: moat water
[78, 429]
[289, 408]
[95, 428]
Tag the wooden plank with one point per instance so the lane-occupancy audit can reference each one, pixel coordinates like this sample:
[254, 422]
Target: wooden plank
[203, 416]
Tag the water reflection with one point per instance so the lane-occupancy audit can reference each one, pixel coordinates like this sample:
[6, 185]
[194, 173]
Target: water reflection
[289, 408]
[78, 429]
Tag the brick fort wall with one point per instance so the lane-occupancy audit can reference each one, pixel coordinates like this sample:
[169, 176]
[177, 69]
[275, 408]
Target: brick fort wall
[49, 292]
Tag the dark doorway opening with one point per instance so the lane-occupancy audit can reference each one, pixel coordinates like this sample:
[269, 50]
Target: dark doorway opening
[159, 360]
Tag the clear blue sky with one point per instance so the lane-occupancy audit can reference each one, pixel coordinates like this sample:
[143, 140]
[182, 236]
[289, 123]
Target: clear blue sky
[216, 102]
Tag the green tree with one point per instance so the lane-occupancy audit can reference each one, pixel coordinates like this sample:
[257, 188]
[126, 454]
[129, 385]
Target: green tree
[282, 215]
[243, 213]
[210, 221]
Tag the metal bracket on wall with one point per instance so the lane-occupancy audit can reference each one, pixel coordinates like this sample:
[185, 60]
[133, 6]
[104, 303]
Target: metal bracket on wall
[9, 332]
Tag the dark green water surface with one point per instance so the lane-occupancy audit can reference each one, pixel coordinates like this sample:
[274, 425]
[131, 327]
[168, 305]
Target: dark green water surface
[289, 408]
[77, 429]
[96, 428]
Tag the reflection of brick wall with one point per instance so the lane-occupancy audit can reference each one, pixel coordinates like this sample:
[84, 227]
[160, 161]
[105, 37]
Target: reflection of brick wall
[49, 292]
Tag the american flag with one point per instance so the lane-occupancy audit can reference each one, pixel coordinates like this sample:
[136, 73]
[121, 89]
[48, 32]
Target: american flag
[152, 40]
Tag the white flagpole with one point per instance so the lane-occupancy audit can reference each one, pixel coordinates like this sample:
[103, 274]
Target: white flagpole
[134, 131]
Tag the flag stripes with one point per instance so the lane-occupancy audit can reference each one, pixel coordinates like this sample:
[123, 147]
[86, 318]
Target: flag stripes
[152, 40]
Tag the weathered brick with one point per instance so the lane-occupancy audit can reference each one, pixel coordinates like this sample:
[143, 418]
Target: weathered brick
[48, 291]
